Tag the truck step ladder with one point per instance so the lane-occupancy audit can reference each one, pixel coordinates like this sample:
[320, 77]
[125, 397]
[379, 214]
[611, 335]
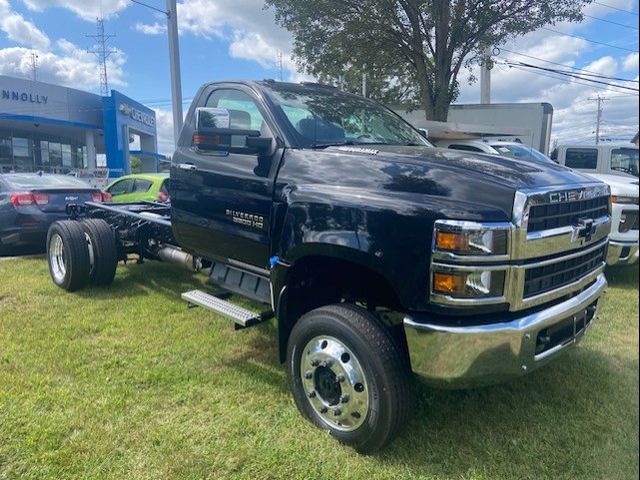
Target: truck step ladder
[242, 317]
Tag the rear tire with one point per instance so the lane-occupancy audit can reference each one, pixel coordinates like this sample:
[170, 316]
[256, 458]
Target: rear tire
[105, 251]
[349, 376]
[68, 255]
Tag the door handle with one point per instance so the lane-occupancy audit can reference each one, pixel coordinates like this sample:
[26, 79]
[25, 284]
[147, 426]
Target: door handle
[187, 166]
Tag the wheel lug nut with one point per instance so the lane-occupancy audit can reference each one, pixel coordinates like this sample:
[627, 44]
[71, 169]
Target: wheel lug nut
[340, 378]
[312, 394]
[315, 363]
[308, 375]
[337, 412]
[344, 398]
[323, 410]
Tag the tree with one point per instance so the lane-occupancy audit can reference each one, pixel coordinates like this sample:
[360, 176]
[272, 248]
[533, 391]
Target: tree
[411, 50]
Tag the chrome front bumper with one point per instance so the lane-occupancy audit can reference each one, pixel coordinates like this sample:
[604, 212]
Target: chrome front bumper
[617, 255]
[462, 357]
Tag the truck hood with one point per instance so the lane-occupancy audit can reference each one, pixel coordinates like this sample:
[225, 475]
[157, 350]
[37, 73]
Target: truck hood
[623, 186]
[455, 184]
[506, 171]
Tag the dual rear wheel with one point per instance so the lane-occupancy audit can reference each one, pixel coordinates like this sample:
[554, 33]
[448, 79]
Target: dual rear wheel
[80, 253]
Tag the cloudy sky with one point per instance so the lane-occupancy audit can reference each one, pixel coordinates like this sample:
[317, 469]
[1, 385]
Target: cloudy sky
[223, 39]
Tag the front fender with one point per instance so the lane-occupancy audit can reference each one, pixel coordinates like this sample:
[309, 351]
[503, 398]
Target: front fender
[386, 234]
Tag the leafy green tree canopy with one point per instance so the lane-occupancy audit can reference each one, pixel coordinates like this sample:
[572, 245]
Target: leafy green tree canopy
[411, 50]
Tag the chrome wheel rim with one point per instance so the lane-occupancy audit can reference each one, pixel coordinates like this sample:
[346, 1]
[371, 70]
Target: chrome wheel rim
[334, 383]
[56, 258]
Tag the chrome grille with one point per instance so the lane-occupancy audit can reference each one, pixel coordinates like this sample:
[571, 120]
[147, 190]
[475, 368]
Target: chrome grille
[564, 272]
[555, 215]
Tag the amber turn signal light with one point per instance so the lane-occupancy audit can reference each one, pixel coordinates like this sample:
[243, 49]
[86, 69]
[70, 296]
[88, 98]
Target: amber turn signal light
[448, 284]
[451, 241]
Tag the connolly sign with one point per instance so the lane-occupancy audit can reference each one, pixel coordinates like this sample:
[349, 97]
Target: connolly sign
[137, 115]
[16, 96]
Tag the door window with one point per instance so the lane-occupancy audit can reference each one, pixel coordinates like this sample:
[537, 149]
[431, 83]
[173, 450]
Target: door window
[625, 160]
[582, 158]
[243, 113]
[142, 186]
[122, 187]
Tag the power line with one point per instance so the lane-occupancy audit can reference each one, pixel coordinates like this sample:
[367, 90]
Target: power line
[548, 61]
[595, 42]
[616, 8]
[611, 22]
[572, 75]
[150, 6]
[565, 80]
[596, 75]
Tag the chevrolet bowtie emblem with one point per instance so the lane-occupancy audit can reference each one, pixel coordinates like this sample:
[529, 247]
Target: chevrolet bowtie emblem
[584, 230]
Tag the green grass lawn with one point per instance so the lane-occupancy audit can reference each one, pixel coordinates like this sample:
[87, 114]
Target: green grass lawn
[126, 382]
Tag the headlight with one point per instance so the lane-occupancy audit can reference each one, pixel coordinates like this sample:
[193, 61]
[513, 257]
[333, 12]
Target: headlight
[624, 200]
[477, 284]
[470, 238]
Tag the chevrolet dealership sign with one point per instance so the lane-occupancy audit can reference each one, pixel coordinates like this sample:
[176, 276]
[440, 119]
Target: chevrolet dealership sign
[137, 115]
[17, 96]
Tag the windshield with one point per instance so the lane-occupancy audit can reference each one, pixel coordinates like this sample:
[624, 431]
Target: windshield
[521, 152]
[625, 160]
[324, 117]
[45, 181]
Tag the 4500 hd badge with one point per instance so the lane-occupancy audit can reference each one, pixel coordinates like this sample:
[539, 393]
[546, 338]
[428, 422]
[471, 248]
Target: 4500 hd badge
[243, 218]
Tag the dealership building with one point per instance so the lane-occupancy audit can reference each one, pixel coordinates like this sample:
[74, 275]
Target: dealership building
[61, 130]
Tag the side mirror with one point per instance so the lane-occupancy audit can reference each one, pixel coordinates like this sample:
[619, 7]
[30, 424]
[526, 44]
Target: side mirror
[214, 134]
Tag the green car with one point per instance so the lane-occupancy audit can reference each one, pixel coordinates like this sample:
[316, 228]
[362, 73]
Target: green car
[151, 187]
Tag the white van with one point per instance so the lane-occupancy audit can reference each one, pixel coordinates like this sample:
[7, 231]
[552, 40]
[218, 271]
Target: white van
[616, 165]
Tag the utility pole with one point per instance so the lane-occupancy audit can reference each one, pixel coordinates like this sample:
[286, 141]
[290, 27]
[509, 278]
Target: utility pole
[364, 84]
[174, 62]
[485, 77]
[102, 54]
[599, 101]
[598, 118]
[174, 65]
[34, 64]
[280, 66]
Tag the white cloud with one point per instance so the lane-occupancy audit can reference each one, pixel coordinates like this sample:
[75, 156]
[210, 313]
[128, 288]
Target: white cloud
[574, 110]
[150, 29]
[164, 125]
[86, 9]
[62, 62]
[69, 65]
[251, 30]
[19, 30]
[630, 63]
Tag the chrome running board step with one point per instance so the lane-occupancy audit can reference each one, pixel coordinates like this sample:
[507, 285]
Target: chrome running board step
[242, 317]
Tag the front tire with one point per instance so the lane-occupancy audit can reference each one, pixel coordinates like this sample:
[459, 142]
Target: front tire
[349, 376]
[68, 255]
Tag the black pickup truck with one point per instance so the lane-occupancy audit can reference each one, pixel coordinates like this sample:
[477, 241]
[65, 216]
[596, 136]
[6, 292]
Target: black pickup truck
[378, 254]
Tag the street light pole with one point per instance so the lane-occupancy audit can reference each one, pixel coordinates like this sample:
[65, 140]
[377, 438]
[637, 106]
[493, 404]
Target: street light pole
[174, 65]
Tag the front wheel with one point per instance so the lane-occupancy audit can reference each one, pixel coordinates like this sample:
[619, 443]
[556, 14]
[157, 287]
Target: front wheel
[349, 376]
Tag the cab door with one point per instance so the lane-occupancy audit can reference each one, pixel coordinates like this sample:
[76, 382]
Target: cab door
[222, 200]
